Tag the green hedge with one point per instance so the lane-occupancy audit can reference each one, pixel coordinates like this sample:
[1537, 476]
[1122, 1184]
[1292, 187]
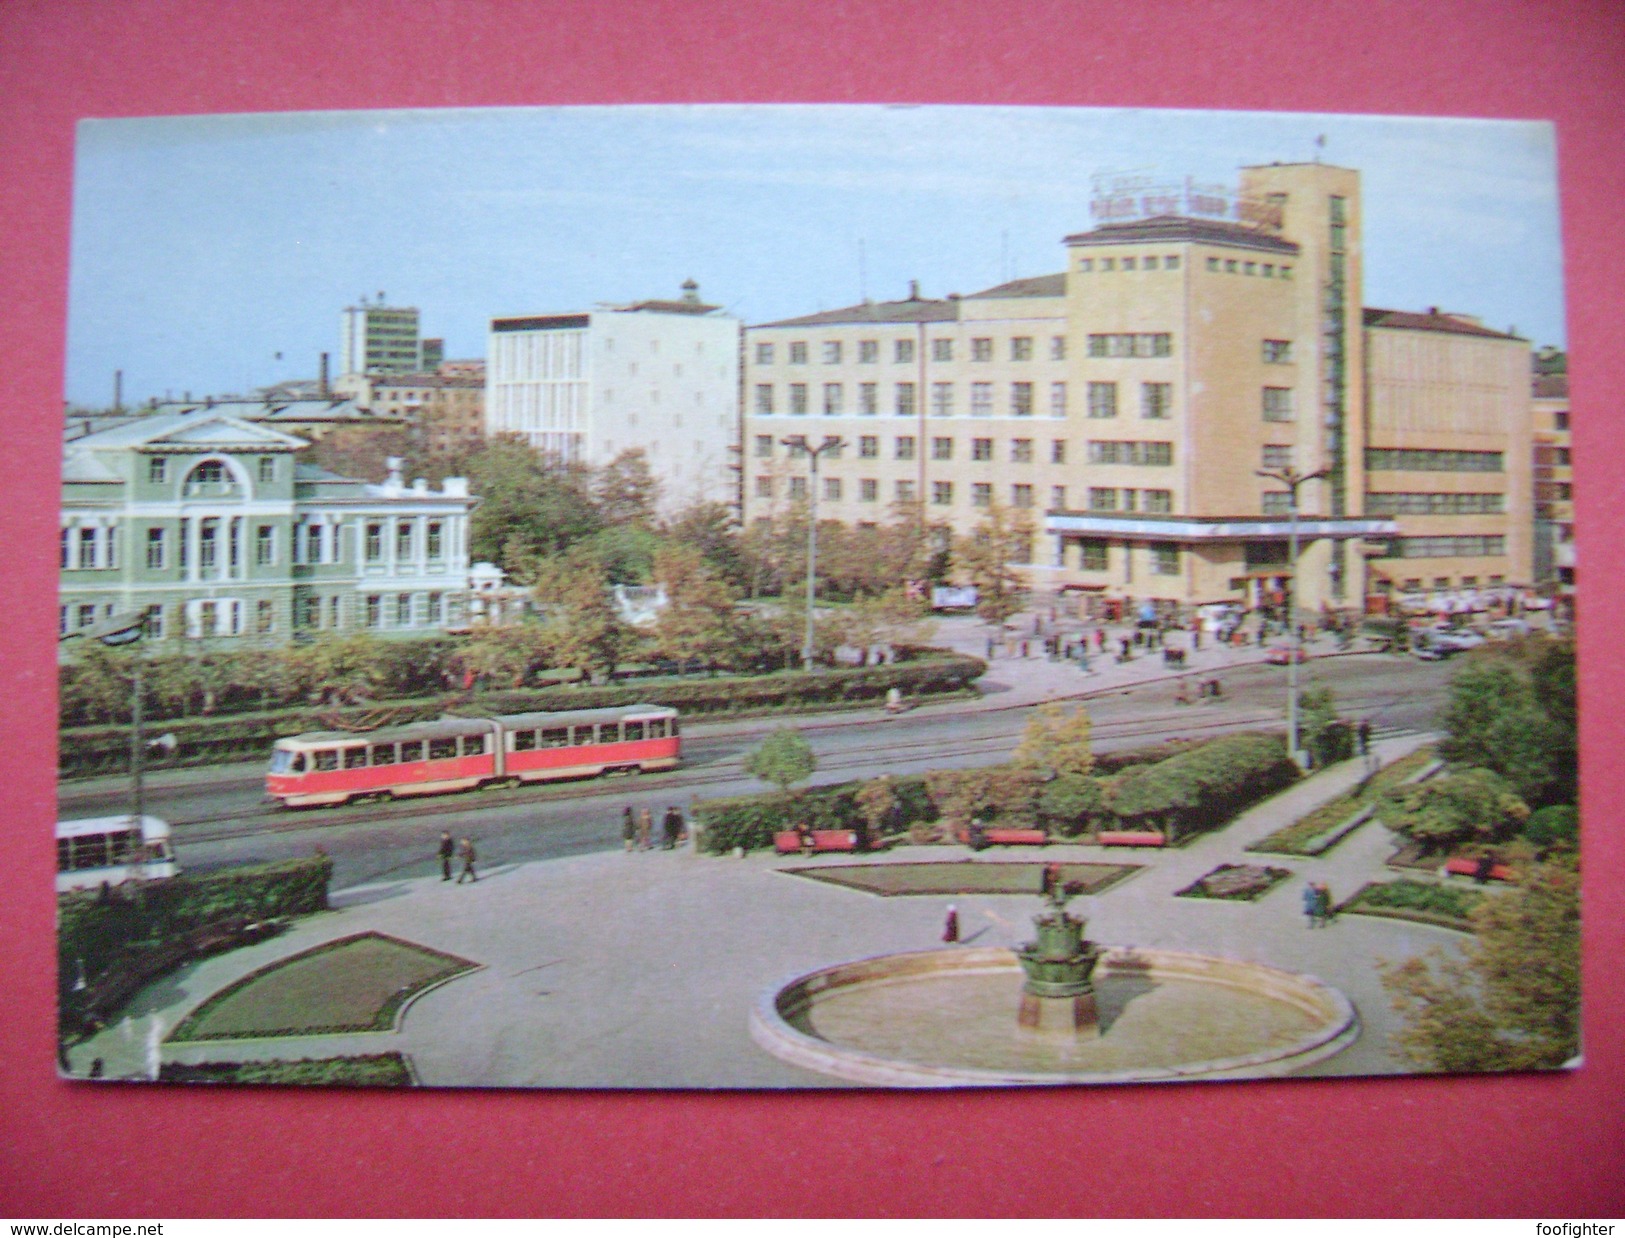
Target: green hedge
[1202, 788]
[373, 1070]
[115, 932]
[87, 751]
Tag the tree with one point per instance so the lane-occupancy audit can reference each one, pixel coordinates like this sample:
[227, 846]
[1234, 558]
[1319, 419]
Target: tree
[984, 557]
[1511, 999]
[1473, 805]
[582, 627]
[1326, 736]
[698, 621]
[999, 790]
[711, 529]
[1070, 801]
[1512, 710]
[530, 507]
[626, 491]
[1056, 742]
[876, 801]
[360, 451]
[783, 759]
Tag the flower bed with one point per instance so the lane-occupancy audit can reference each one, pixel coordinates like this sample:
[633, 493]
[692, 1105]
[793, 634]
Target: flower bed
[964, 877]
[1236, 883]
[1445, 906]
[1325, 827]
[372, 1070]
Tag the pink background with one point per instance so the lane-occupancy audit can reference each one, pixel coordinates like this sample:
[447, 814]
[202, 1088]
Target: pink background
[1537, 1146]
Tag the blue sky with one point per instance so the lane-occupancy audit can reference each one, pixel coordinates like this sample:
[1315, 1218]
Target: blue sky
[205, 246]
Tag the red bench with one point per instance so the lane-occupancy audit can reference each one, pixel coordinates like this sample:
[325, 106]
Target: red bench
[1131, 838]
[787, 842]
[1006, 837]
[1464, 867]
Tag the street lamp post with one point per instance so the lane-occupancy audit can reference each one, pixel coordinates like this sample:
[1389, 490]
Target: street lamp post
[832, 443]
[1292, 479]
[129, 630]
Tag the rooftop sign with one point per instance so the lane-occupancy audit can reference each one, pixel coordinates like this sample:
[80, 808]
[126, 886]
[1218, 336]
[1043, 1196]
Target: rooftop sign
[1120, 196]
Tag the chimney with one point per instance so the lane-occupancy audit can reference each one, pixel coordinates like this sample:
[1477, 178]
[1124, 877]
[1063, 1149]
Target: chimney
[691, 292]
[913, 290]
[321, 379]
[118, 391]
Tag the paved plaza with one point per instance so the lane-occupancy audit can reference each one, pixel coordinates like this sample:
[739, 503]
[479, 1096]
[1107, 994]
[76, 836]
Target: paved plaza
[639, 970]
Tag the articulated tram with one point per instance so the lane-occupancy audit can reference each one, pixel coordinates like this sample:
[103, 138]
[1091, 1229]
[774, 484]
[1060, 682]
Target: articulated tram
[455, 754]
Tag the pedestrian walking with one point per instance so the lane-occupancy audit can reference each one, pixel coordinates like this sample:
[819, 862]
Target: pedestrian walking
[1364, 733]
[671, 826]
[1323, 903]
[466, 851]
[629, 829]
[1311, 903]
[447, 850]
[646, 829]
[950, 925]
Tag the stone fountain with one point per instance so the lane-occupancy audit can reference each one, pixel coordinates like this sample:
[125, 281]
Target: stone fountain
[1058, 994]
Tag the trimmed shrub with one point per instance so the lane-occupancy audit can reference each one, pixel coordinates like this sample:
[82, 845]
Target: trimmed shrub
[1202, 788]
[1557, 825]
[1069, 804]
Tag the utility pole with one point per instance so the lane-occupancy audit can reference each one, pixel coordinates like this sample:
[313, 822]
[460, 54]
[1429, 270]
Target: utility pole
[1292, 479]
[798, 442]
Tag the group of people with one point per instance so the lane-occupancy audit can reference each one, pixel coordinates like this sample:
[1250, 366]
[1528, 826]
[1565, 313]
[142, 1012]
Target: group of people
[462, 850]
[1317, 904]
[637, 829]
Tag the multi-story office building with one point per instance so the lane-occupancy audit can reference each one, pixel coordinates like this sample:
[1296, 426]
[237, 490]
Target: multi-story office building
[1553, 477]
[1196, 340]
[210, 525]
[660, 376]
[375, 338]
[448, 409]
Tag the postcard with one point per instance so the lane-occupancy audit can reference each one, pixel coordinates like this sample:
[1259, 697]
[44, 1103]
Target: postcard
[815, 597]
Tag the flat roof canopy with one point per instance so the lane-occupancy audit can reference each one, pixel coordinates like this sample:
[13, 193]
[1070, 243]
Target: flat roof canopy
[1215, 529]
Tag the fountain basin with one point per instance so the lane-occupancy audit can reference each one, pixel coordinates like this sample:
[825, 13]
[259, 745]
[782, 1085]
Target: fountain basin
[947, 1018]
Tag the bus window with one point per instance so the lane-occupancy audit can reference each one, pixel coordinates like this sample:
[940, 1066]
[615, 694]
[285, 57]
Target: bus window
[411, 750]
[355, 758]
[473, 745]
[581, 736]
[556, 737]
[327, 758]
[657, 729]
[609, 733]
[524, 741]
[383, 754]
[634, 730]
[442, 749]
[120, 846]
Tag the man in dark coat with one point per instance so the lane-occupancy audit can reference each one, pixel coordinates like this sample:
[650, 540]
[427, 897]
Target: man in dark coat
[671, 826]
[447, 850]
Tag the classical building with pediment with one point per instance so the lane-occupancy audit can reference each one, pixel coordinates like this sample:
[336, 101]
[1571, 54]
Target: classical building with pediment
[212, 526]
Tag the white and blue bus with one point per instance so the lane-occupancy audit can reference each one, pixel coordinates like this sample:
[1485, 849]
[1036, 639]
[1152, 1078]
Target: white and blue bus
[112, 850]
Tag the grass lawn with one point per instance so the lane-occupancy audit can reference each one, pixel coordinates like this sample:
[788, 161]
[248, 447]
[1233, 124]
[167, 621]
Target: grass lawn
[1446, 906]
[962, 877]
[1293, 839]
[373, 1070]
[355, 984]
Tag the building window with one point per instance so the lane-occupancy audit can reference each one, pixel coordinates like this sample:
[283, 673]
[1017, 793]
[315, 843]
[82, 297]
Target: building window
[981, 449]
[942, 350]
[1086, 265]
[1430, 504]
[1021, 348]
[375, 543]
[432, 536]
[265, 545]
[1021, 399]
[868, 352]
[1156, 401]
[1127, 452]
[1021, 495]
[942, 493]
[1057, 498]
[942, 399]
[1102, 400]
[1165, 560]
[1102, 499]
[1422, 460]
[868, 399]
[1057, 399]
[798, 353]
[764, 487]
[764, 354]
[1057, 451]
[905, 492]
[1213, 264]
[868, 490]
[904, 447]
[981, 399]
[903, 352]
[403, 540]
[1021, 451]
[1277, 352]
[832, 352]
[264, 616]
[905, 400]
[764, 399]
[832, 489]
[832, 399]
[942, 449]
[1092, 554]
[1170, 262]
[764, 446]
[1277, 403]
[375, 610]
[1560, 421]
[981, 349]
[1277, 502]
[1143, 344]
[798, 489]
[1231, 266]
[1128, 264]
[267, 469]
[1158, 502]
[1057, 348]
[798, 399]
[1445, 547]
[1108, 264]
[208, 538]
[1277, 456]
[981, 494]
[869, 447]
[155, 548]
[157, 470]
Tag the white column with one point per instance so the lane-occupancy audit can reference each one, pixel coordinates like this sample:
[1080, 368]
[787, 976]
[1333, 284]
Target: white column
[420, 530]
[194, 548]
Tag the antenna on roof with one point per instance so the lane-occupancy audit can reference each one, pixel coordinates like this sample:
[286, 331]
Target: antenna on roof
[1320, 146]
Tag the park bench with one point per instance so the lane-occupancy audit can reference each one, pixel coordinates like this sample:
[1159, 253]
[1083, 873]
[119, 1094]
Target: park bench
[1132, 838]
[1462, 866]
[1003, 837]
[787, 842]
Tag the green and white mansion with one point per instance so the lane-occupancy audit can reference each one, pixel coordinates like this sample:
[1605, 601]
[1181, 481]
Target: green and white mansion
[211, 525]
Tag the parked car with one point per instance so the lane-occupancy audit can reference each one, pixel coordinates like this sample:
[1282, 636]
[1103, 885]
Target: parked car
[1506, 629]
[1284, 655]
[1457, 640]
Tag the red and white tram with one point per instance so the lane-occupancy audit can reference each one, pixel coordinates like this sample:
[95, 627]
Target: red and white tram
[454, 754]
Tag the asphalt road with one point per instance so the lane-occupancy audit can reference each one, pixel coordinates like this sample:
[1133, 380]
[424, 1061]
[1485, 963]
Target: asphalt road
[220, 816]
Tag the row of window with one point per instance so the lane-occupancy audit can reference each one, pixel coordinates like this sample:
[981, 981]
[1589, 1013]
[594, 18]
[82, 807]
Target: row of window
[1237, 266]
[1403, 504]
[1022, 450]
[89, 547]
[1150, 453]
[943, 493]
[1116, 499]
[1417, 460]
[1094, 556]
[1019, 401]
[1132, 344]
[207, 472]
[1445, 547]
[833, 352]
[1149, 262]
[451, 747]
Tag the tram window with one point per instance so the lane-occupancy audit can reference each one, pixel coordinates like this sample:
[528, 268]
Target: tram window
[327, 758]
[473, 745]
[581, 736]
[412, 750]
[657, 729]
[383, 754]
[298, 765]
[609, 732]
[524, 741]
[634, 730]
[442, 749]
[355, 758]
[556, 737]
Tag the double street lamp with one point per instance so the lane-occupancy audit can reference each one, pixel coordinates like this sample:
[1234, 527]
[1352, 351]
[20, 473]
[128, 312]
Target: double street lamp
[1292, 479]
[832, 444]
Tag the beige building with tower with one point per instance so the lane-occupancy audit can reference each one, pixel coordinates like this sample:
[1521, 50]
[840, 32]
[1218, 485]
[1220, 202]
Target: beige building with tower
[1199, 336]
